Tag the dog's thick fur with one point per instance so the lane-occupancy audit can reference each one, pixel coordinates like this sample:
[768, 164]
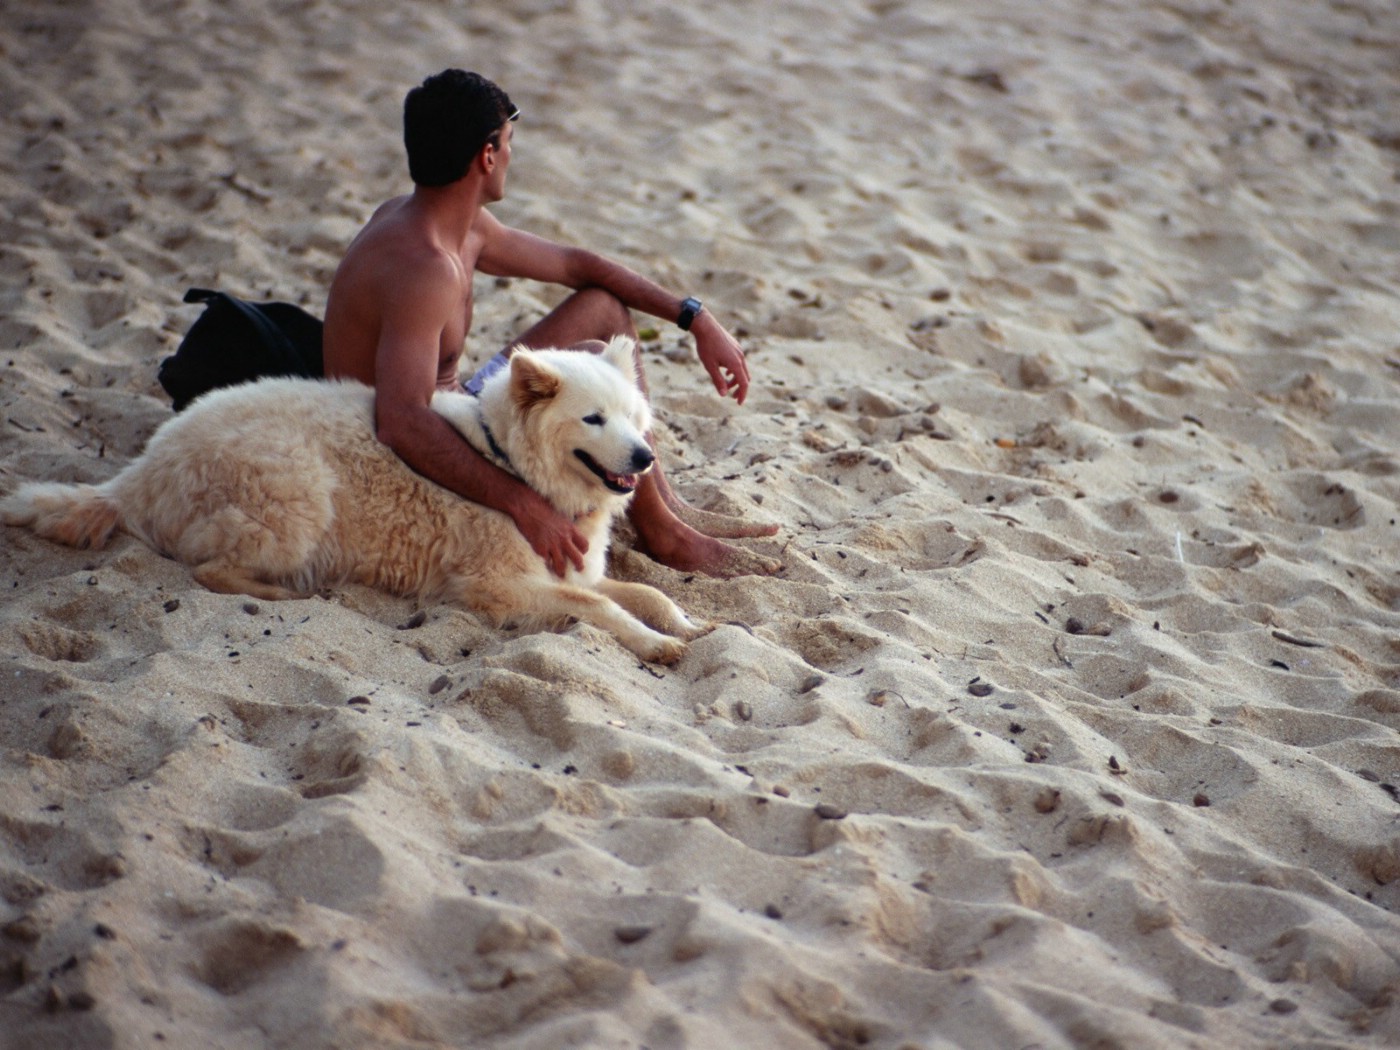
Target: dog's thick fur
[280, 488]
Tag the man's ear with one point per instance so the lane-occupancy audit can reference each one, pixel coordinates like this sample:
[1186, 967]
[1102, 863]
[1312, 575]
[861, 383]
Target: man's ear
[531, 380]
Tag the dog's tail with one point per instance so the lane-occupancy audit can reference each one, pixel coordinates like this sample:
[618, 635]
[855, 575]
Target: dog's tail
[81, 516]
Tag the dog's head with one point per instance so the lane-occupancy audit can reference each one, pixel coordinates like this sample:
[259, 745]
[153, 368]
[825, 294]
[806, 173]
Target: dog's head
[583, 420]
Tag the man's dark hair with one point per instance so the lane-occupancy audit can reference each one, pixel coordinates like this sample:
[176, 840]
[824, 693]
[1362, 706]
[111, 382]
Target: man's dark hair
[447, 120]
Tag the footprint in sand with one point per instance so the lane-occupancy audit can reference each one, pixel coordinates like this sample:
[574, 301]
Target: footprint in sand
[240, 953]
[52, 642]
[65, 858]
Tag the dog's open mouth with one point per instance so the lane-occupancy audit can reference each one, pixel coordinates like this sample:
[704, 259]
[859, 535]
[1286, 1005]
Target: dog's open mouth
[622, 484]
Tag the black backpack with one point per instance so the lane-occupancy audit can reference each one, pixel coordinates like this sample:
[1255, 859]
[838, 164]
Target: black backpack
[235, 342]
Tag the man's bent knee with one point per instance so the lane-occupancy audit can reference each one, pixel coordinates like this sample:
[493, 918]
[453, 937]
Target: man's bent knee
[593, 346]
[606, 310]
[590, 313]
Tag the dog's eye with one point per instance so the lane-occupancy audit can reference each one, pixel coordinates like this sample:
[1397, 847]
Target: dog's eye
[595, 420]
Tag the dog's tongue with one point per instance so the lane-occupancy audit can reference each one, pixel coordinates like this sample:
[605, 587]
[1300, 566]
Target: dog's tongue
[626, 481]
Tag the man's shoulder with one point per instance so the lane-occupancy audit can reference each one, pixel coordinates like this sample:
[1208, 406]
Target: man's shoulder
[396, 249]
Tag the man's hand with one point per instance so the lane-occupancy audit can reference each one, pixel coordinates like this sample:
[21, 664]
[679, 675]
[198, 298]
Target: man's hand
[722, 357]
[551, 535]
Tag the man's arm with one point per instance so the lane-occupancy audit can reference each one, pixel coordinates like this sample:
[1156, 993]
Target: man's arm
[508, 252]
[405, 378]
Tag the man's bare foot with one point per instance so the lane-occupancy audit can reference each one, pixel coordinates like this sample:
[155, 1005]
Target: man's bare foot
[720, 526]
[684, 549]
[712, 523]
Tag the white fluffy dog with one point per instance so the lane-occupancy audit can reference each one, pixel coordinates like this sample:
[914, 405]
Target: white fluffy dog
[280, 488]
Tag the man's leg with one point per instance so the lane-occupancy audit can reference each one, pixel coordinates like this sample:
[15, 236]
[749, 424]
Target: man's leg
[669, 529]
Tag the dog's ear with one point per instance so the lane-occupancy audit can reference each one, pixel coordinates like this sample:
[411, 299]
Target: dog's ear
[531, 380]
[621, 353]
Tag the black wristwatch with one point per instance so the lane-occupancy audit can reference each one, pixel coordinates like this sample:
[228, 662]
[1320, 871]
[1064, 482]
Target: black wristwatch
[690, 310]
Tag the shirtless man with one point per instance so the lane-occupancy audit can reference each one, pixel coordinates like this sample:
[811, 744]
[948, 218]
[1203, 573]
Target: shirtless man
[400, 308]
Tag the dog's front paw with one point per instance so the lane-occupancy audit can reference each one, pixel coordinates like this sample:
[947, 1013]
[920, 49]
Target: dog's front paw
[667, 651]
[690, 630]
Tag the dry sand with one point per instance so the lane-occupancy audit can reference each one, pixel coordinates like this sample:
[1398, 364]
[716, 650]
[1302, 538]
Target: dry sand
[1072, 720]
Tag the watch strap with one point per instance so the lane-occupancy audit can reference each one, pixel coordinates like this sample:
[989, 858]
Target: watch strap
[690, 310]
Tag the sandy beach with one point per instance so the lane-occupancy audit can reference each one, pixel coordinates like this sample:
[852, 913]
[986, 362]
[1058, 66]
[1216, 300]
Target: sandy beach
[1071, 720]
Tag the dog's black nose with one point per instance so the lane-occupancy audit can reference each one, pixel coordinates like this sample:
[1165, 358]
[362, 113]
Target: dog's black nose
[642, 458]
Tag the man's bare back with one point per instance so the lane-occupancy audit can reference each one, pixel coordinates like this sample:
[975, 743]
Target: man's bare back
[395, 243]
